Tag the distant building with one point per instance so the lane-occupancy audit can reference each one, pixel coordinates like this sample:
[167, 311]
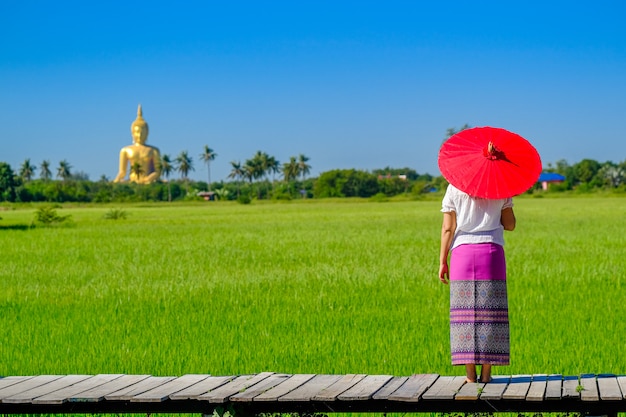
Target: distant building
[549, 177]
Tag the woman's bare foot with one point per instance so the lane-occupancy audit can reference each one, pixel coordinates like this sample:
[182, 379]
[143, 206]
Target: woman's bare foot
[470, 372]
[485, 373]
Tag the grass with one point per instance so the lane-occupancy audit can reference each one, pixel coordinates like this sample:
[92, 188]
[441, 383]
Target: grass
[318, 287]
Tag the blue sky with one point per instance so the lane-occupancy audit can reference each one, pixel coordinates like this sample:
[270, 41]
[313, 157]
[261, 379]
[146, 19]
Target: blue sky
[350, 84]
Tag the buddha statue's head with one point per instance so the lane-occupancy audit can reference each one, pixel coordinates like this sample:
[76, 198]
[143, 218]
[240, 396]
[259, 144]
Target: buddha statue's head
[139, 128]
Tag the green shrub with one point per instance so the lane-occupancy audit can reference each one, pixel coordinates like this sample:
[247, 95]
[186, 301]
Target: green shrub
[116, 214]
[48, 216]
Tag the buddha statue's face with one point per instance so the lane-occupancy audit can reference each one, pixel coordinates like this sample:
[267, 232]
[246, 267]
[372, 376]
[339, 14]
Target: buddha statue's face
[140, 134]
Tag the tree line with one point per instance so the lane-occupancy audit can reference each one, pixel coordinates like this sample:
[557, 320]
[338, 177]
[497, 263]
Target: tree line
[263, 177]
[256, 179]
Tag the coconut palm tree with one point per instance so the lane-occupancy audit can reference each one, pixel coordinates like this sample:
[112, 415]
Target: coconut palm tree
[290, 170]
[64, 170]
[137, 169]
[184, 164]
[27, 170]
[207, 156]
[166, 169]
[303, 167]
[237, 173]
[44, 170]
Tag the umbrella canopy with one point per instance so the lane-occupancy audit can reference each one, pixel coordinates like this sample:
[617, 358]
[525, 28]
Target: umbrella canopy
[489, 162]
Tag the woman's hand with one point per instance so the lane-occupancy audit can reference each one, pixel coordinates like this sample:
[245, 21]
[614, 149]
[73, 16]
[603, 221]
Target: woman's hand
[444, 275]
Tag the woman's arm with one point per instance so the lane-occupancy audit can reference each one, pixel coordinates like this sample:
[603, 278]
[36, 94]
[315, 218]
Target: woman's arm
[507, 218]
[448, 227]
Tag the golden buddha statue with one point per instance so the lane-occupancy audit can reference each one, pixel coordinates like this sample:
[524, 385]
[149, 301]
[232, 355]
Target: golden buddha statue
[143, 160]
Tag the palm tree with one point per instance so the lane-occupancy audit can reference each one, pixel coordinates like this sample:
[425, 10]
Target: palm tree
[64, 170]
[207, 156]
[273, 167]
[137, 169]
[27, 170]
[166, 169]
[303, 167]
[255, 168]
[237, 173]
[44, 171]
[290, 170]
[184, 164]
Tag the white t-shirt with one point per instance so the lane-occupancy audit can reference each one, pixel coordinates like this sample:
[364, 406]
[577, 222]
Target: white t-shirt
[477, 219]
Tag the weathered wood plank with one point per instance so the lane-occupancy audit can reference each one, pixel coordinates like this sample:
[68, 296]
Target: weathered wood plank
[202, 387]
[331, 392]
[260, 388]
[29, 395]
[554, 389]
[494, 390]
[63, 395]
[538, 386]
[127, 393]
[241, 383]
[518, 387]
[589, 388]
[311, 388]
[163, 392]
[97, 394]
[26, 385]
[12, 380]
[390, 387]
[286, 387]
[470, 391]
[365, 389]
[413, 388]
[444, 388]
[621, 380]
[571, 387]
[609, 388]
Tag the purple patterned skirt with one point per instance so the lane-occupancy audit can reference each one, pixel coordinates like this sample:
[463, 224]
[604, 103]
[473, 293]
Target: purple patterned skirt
[479, 314]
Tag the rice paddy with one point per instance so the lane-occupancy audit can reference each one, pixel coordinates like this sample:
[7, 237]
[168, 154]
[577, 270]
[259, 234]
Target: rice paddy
[337, 286]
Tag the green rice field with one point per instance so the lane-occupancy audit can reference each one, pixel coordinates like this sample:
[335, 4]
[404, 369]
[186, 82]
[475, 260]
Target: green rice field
[336, 286]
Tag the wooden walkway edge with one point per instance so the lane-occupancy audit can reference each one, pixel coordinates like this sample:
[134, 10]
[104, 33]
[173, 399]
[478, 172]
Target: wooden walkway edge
[270, 392]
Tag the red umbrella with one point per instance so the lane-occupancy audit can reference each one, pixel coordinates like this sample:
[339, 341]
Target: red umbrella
[489, 162]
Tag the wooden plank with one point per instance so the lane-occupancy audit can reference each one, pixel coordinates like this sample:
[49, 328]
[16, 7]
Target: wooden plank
[237, 385]
[390, 387]
[413, 388]
[30, 383]
[97, 394]
[538, 386]
[518, 387]
[494, 390]
[621, 380]
[311, 388]
[554, 388]
[260, 388]
[12, 380]
[284, 388]
[589, 388]
[331, 392]
[365, 389]
[202, 387]
[609, 388]
[163, 392]
[444, 388]
[571, 387]
[63, 395]
[470, 391]
[29, 395]
[125, 394]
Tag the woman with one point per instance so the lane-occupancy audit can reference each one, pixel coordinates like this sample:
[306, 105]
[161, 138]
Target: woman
[472, 233]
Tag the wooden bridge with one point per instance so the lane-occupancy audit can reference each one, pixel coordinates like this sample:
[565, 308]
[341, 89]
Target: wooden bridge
[269, 392]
